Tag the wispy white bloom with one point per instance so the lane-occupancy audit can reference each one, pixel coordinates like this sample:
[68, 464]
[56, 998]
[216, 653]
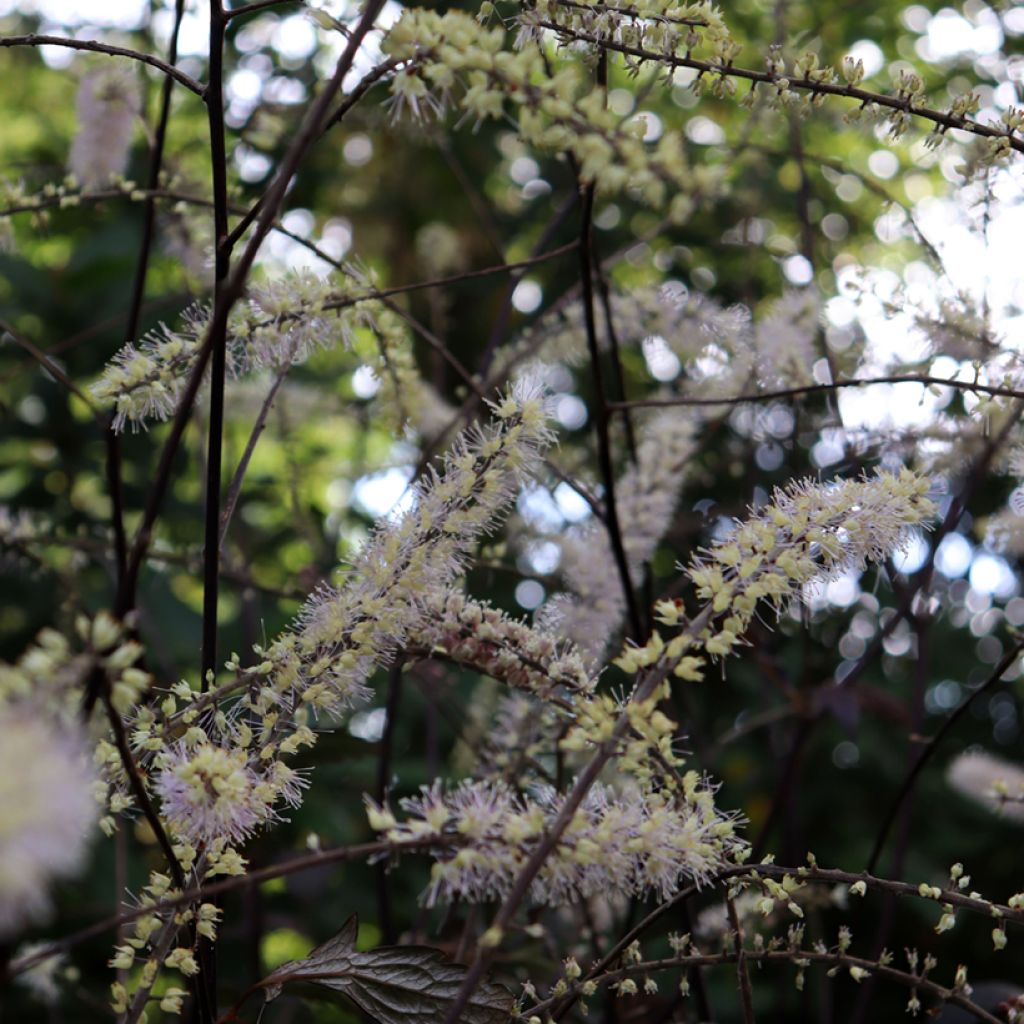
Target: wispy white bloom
[47, 810]
[630, 845]
[343, 634]
[785, 339]
[42, 979]
[212, 793]
[108, 103]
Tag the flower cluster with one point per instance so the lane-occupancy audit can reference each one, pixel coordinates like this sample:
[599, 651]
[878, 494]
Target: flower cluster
[636, 844]
[808, 533]
[442, 52]
[479, 636]
[342, 634]
[211, 793]
[282, 323]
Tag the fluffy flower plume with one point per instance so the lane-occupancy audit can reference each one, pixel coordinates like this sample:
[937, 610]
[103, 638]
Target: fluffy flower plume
[808, 533]
[211, 793]
[344, 633]
[990, 781]
[47, 810]
[108, 103]
[476, 635]
[629, 845]
[784, 340]
[282, 323]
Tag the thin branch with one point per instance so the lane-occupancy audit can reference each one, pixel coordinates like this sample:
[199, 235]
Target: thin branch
[94, 46]
[944, 121]
[259, 5]
[742, 975]
[235, 487]
[928, 752]
[601, 418]
[156, 156]
[813, 389]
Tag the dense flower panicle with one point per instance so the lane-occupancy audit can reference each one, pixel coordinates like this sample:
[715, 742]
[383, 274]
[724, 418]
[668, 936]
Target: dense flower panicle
[636, 845]
[646, 499]
[108, 103]
[343, 633]
[47, 811]
[810, 532]
[990, 781]
[282, 323]
[477, 635]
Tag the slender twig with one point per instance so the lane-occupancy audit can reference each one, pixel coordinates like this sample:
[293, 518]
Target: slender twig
[387, 740]
[156, 156]
[601, 418]
[930, 748]
[50, 367]
[34, 39]
[742, 975]
[235, 487]
[783, 956]
[812, 389]
[138, 788]
[253, 8]
[219, 336]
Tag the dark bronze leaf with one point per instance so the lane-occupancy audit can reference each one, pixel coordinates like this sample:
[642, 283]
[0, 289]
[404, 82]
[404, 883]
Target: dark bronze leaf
[393, 984]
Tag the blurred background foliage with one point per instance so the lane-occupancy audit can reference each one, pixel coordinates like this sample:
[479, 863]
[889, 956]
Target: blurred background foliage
[806, 200]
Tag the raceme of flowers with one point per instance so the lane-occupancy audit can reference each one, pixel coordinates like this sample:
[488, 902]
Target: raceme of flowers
[443, 52]
[632, 845]
[808, 533]
[281, 324]
[224, 778]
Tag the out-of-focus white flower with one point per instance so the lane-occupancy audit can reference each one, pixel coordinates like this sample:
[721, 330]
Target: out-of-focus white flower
[47, 809]
[42, 978]
[991, 782]
[108, 102]
[784, 339]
